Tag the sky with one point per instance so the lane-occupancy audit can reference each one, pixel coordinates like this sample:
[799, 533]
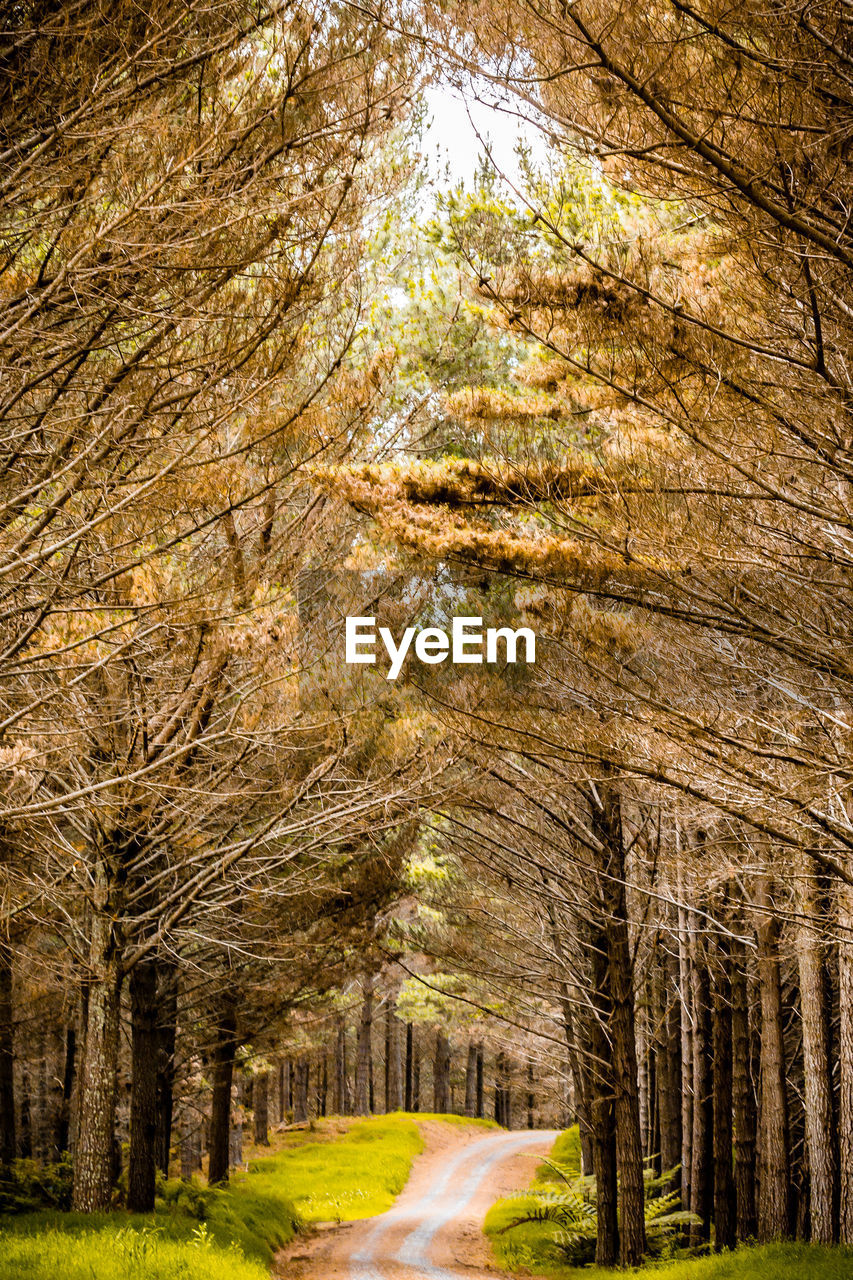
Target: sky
[452, 138]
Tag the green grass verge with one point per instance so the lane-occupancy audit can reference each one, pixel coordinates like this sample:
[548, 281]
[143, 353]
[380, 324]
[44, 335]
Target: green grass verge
[356, 1176]
[321, 1174]
[530, 1248]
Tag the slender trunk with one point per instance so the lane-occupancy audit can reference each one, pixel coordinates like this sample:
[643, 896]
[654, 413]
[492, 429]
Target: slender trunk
[143, 1096]
[816, 1066]
[190, 1147]
[300, 1092]
[481, 1101]
[845, 1059]
[322, 1085]
[531, 1096]
[441, 1074]
[416, 1078]
[260, 1097]
[773, 1139]
[94, 1156]
[725, 1211]
[743, 1097]
[702, 1171]
[364, 1053]
[408, 1102]
[394, 1096]
[167, 1004]
[668, 1076]
[222, 1063]
[686, 1019]
[63, 1123]
[8, 1140]
[597, 1089]
[471, 1080]
[607, 824]
[341, 1100]
[235, 1136]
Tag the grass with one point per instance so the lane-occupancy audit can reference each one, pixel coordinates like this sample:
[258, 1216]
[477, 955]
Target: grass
[335, 1171]
[356, 1176]
[529, 1249]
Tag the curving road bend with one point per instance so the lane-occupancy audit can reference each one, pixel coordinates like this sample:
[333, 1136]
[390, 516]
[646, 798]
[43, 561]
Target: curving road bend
[445, 1201]
[434, 1231]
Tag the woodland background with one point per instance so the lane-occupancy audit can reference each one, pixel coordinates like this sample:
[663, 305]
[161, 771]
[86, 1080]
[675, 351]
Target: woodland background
[257, 375]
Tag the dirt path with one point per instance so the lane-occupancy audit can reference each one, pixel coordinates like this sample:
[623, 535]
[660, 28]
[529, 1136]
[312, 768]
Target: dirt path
[434, 1231]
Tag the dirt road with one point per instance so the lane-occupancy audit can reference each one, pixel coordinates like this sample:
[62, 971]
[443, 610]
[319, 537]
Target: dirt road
[434, 1231]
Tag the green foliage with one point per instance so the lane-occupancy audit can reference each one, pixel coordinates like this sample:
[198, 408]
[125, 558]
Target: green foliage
[114, 1251]
[556, 1220]
[766, 1262]
[26, 1185]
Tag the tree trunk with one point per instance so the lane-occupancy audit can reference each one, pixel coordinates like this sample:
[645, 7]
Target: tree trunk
[94, 1156]
[816, 1066]
[341, 1100]
[685, 951]
[725, 1211]
[260, 1097]
[167, 1028]
[63, 1121]
[441, 1074]
[394, 1087]
[300, 1092]
[416, 1078]
[409, 1046]
[607, 825]
[702, 1169]
[845, 1058]
[364, 1053]
[743, 1097]
[773, 1140]
[531, 1096]
[222, 1060]
[471, 1080]
[143, 1096]
[8, 1138]
[481, 1102]
[322, 1085]
[190, 1147]
[597, 1091]
[668, 1076]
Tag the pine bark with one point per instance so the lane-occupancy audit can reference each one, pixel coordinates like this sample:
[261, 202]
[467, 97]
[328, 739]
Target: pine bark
[364, 1053]
[94, 1156]
[394, 1090]
[260, 1098]
[702, 1173]
[668, 1077]
[167, 1029]
[471, 1080]
[816, 1066]
[743, 1097]
[441, 1074]
[409, 1064]
[142, 1167]
[725, 1210]
[222, 1070]
[773, 1138]
[845, 1061]
[300, 1091]
[607, 825]
[8, 1137]
[341, 1100]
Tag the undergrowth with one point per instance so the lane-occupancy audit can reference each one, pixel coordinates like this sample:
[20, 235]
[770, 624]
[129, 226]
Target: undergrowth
[202, 1233]
[544, 1247]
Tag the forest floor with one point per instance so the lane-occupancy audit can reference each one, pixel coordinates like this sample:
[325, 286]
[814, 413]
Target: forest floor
[434, 1231]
